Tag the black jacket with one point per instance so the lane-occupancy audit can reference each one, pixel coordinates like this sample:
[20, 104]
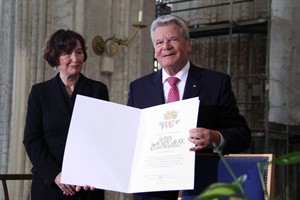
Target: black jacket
[217, 111]
[48, 117]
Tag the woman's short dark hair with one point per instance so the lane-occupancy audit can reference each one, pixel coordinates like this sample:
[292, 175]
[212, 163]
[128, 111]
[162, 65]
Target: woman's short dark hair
[62, 41]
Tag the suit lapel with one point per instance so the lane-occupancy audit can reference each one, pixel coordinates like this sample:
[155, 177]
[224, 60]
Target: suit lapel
[157, 89]
[193, 83]
[192, 87]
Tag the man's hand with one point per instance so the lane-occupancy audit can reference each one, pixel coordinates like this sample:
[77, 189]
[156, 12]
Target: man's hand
[203, 138]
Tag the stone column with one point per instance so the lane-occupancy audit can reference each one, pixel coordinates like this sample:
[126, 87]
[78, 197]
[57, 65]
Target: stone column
[284, 73]
[25, 25]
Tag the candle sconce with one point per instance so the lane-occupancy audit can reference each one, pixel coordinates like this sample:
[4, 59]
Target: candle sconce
[109, 47]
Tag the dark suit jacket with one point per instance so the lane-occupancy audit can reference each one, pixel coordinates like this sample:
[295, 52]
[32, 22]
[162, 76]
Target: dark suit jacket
[217, 111]
[48, 117]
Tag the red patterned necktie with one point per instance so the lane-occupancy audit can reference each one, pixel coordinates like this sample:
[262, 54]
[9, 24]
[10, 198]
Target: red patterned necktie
[173, 92]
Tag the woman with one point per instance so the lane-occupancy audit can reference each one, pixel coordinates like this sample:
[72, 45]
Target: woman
[50, 106]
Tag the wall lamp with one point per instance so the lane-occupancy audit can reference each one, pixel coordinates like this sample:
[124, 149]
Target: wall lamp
[109, 47]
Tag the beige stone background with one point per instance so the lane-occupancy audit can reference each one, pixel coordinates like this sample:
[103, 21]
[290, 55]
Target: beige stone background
[264, 66]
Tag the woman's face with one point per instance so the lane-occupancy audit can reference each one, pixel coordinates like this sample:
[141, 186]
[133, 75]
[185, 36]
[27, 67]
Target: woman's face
[71, 63]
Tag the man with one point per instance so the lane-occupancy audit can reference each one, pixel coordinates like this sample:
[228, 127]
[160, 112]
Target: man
[219, 120]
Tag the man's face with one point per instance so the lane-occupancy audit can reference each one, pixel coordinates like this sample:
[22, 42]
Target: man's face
[171, 48]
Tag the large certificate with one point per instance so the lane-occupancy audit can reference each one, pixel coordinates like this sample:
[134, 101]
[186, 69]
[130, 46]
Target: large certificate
[120, 148]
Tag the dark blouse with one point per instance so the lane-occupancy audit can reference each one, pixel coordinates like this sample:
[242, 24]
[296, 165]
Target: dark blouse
[48, 117]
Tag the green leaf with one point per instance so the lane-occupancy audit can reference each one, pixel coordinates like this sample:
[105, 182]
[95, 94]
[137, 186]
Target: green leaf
[218, 190]
[290, 158]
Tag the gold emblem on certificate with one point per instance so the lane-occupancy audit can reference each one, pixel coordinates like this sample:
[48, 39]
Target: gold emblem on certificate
[170, 120]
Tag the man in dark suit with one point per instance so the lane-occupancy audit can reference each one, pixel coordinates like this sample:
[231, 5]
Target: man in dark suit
[219, 120]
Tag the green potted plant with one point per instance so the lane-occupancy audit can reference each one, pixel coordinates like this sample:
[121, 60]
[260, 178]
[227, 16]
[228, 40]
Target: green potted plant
[219, 190]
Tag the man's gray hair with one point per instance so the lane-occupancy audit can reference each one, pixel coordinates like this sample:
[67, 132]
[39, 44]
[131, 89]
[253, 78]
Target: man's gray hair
[170, 19]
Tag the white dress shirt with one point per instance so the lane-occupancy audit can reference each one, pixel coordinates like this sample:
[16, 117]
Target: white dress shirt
[182, 76]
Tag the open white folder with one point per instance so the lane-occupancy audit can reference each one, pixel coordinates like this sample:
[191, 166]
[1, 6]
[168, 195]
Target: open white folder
[120, 148]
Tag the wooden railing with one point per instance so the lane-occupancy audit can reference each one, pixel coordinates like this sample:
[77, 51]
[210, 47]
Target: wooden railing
[6, 177]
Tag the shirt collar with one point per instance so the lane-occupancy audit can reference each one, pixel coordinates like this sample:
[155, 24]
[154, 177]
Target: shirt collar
[182, 74]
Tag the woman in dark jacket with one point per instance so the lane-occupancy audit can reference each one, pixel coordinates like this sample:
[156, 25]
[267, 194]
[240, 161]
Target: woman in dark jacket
[49, 111]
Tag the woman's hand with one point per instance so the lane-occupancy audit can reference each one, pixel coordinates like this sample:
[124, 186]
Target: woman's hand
[86, 188]
[65, 188]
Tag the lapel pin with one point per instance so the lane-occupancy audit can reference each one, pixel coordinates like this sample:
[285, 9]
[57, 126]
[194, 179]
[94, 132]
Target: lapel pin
[194, 86]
